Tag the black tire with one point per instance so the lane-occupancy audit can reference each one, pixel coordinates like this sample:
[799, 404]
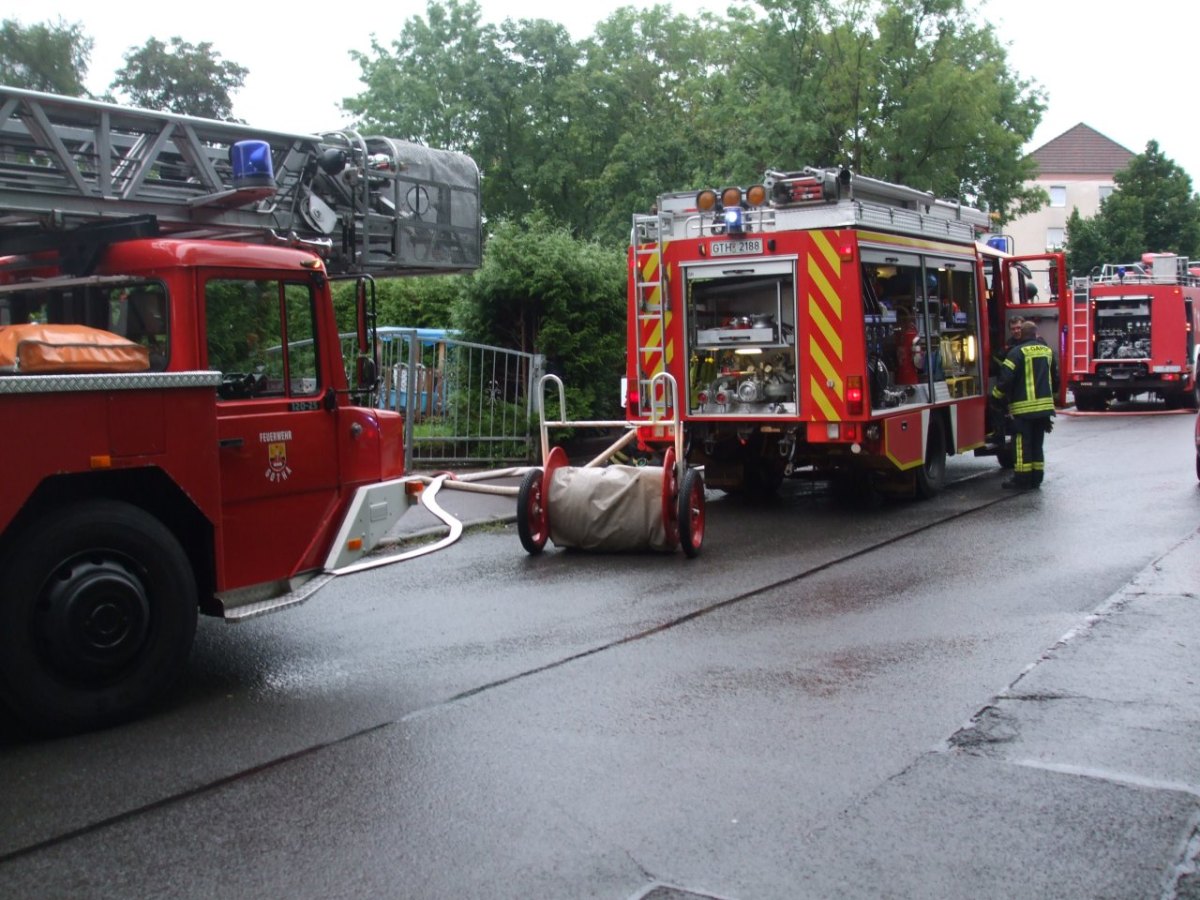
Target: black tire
[691, 512]
[855, 488]
[931, 476]
[98, 612]
[1088, 401]
[532, 523]
[1191, 399]
[762, 478]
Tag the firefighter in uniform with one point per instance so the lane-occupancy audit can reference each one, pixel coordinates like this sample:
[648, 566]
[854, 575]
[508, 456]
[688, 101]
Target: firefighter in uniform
[1026, 384]
[997, 415]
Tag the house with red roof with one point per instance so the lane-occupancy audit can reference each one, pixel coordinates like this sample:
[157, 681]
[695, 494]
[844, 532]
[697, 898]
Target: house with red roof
[1076, 169]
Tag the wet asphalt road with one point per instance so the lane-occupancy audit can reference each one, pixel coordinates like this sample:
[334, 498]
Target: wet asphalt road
[768, 720]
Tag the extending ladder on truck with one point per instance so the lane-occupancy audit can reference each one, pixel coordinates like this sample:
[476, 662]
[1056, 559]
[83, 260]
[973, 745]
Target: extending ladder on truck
[369, 205]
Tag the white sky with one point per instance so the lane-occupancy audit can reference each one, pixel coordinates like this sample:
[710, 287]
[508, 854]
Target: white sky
[1131, 79]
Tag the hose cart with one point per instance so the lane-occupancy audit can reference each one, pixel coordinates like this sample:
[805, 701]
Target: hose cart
[606, 506]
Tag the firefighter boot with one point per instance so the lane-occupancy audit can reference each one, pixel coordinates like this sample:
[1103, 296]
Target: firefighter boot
[1022, 481]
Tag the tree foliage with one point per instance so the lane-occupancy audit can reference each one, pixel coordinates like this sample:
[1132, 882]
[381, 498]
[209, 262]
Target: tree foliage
[184, 78]
[1152, 210]
[542, 290]
[406, 302]
[915, 91]
[51, 57]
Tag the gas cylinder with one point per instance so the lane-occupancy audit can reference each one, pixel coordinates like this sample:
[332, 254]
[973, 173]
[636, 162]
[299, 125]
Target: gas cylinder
[906, 370]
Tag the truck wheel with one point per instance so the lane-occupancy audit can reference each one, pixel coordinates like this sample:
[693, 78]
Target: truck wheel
[97, 615]
[763, 478]
[931, 476]
[1087, 401]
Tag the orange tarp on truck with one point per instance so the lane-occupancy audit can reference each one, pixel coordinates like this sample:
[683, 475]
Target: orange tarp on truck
[46, 349]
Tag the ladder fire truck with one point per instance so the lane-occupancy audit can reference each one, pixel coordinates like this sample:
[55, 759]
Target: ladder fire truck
[1132, 330]
[827, 323]
[182, 430]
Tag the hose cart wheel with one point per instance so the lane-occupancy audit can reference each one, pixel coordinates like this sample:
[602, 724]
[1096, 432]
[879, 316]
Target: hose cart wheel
[691, 512]
[531, 513]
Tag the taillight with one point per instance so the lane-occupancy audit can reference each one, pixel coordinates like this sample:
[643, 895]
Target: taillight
[722, 397]
[854, 395]
[703, 398]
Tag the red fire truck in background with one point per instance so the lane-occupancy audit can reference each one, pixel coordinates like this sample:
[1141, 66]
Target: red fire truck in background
[1132, 330]
[182, 431]
[827, 322]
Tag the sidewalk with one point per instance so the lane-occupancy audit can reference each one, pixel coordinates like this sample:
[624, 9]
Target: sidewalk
[1081, 779]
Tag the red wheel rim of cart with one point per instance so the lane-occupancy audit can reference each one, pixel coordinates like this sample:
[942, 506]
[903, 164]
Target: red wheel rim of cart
[670, 491]
[556, 459]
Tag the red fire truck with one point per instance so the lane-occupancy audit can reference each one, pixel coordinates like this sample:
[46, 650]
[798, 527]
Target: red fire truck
[828, 323]
[1132, 330]
[182, 432]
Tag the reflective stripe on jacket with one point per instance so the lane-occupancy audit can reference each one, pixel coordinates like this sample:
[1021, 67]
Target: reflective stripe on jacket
[1026, 379]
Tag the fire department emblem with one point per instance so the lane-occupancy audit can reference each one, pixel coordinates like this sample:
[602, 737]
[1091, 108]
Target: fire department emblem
[277, 465]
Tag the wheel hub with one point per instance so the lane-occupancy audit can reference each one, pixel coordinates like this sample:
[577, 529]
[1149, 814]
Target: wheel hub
[93, 617]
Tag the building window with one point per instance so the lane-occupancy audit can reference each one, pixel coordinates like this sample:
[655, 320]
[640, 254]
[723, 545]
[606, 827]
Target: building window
[1055, 238]
[1105, 191]
[1058, 196]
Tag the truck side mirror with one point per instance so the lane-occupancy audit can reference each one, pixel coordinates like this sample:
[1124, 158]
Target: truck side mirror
[368, 373]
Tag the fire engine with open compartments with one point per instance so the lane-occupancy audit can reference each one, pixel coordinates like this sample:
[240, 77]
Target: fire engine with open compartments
[827, 323]
[1132, 330]
[183, 430]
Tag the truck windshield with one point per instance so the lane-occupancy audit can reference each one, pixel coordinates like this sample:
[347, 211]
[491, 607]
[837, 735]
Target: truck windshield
[261, 336]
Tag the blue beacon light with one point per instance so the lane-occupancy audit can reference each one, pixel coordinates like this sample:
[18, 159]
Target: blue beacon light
[734, 220]
[252, 166]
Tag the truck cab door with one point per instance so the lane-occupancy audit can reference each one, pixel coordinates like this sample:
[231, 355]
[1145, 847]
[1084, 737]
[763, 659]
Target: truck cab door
[1036, 289]
[277, 426]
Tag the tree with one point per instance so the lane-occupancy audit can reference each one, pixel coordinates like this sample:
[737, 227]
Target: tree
[494, 93]
[1086, 245]
[404, 302]
[915, 91]
[646, 115]
[542, 290]
[181, 78]
[910, 91]
[433, 84]
[51, 57]
[1152, 210]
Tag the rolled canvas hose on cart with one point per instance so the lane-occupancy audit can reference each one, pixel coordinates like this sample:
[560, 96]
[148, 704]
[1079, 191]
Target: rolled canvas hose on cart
[611, 508]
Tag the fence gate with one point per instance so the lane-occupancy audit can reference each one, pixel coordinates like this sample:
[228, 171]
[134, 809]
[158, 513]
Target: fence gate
[464, 404]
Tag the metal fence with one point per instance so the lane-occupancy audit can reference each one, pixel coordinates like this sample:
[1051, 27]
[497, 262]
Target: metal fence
[463, 403]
